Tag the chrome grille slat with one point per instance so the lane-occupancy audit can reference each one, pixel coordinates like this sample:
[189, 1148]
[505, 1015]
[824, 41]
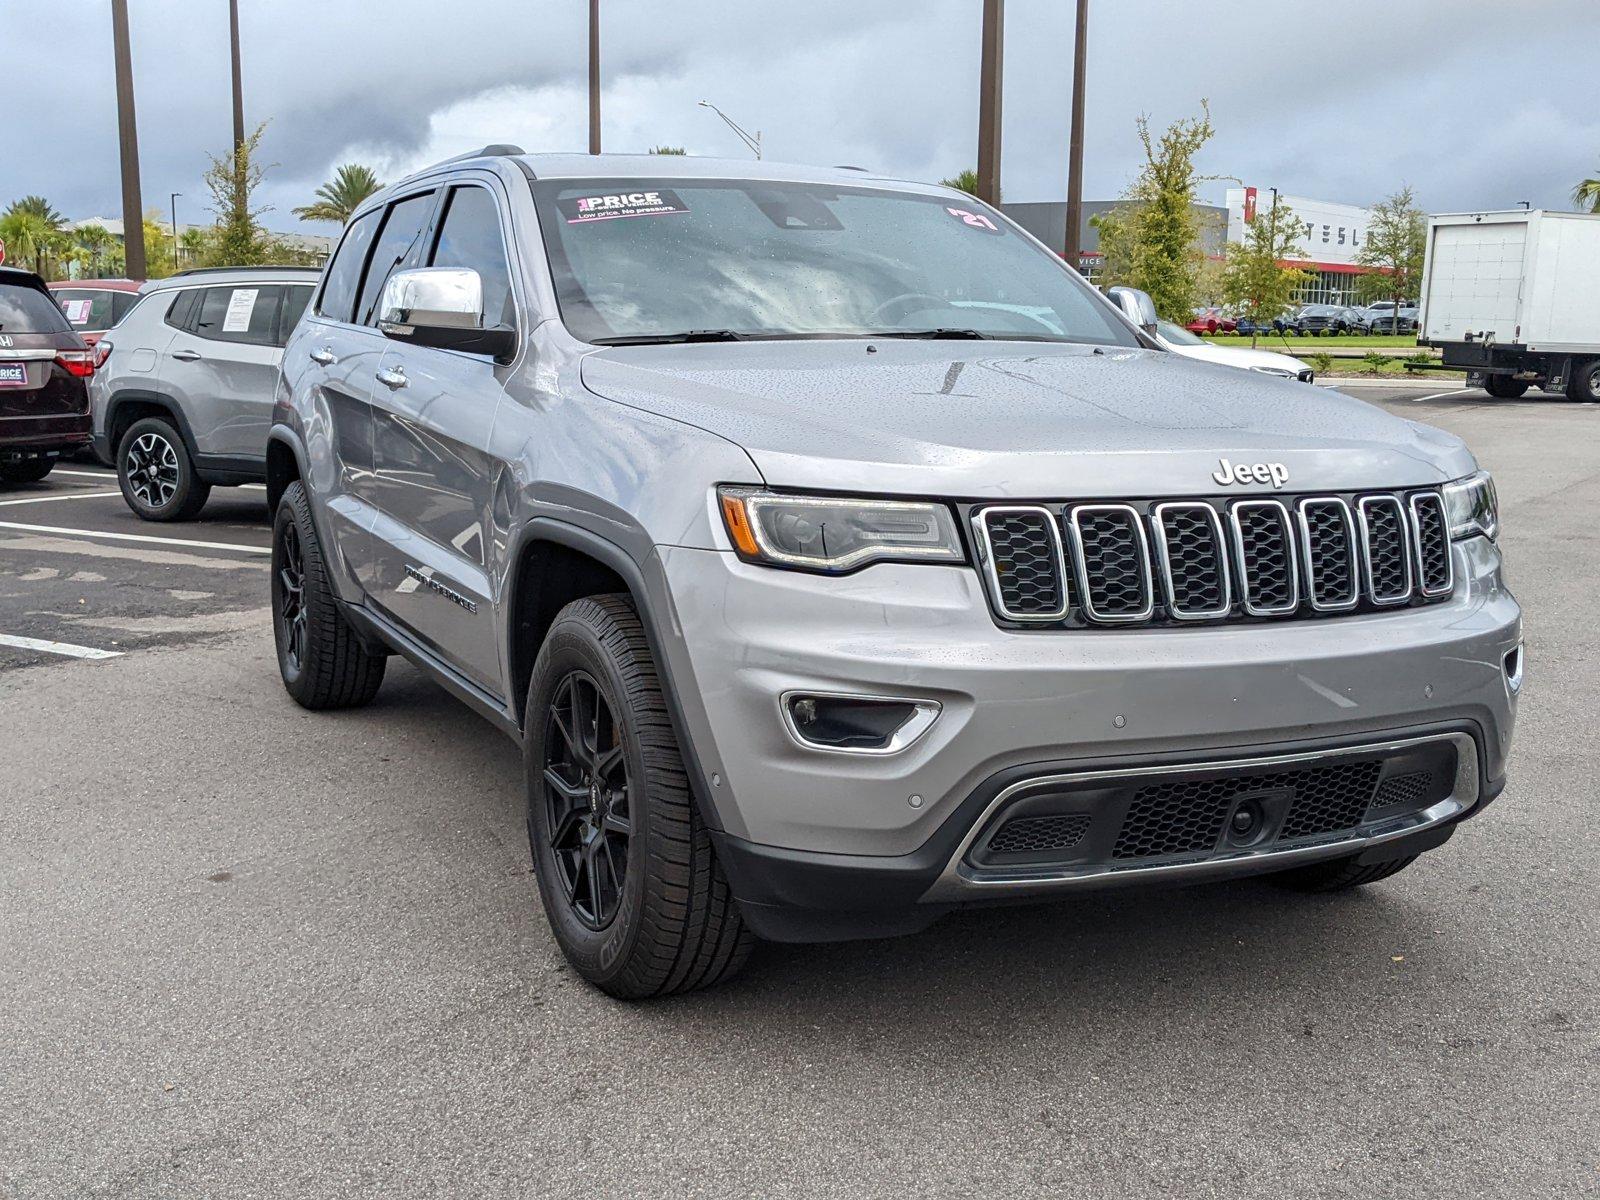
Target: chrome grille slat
[1264, 542]
[1386, 552]
[1024, 563]
[1328, 554]
[1192, 554]
[1435, 570]
[1112, 559]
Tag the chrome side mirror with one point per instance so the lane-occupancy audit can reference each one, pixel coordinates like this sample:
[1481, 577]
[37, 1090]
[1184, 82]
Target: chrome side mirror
[441, 307]
[1136, 306]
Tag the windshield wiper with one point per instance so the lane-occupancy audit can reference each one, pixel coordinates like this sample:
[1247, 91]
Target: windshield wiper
[662, 339]
[935, 334]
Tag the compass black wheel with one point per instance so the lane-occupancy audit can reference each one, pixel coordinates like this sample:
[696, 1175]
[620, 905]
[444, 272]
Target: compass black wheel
[626, 869]
[156, 474]
[322, 661]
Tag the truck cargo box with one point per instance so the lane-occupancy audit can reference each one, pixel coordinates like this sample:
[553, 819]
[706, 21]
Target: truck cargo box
[1521, 279]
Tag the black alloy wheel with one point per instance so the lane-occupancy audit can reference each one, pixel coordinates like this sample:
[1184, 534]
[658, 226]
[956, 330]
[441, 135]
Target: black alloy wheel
[291, 612]
[587, 799]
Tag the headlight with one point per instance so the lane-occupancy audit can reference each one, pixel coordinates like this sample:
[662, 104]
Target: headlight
[1471, 506]
[823, 533]
[1278, 371]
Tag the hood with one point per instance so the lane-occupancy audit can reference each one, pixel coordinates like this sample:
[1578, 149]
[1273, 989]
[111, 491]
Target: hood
[1017, 420]
[1237, 356]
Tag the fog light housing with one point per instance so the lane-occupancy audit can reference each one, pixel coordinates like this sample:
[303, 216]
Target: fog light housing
[847, 724]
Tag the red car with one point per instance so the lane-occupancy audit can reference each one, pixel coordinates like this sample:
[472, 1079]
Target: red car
[1212, 320]
[94, 305]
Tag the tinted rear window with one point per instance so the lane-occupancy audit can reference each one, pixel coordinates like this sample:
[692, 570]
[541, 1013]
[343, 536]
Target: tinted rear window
[27, 310]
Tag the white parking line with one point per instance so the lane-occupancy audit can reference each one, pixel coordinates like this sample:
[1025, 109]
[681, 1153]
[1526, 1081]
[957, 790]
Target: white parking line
[68, 496]
[1442, 395]
[135, 537]
[66, 648]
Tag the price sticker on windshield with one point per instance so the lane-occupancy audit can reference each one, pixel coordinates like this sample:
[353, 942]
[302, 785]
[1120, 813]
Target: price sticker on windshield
[974, 220]
[581, 210]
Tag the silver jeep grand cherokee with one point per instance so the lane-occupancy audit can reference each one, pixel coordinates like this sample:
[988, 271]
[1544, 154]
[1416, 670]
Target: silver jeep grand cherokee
[838, 557]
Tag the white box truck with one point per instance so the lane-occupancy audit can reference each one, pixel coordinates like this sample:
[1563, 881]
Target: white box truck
[1514, 297]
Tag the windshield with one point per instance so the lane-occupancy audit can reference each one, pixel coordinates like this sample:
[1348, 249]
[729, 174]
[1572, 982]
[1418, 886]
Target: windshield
[643, 260]
[86, 308]
[1177, 334]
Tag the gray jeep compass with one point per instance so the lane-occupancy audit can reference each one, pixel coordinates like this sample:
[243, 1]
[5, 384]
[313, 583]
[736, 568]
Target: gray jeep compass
[183, 390]
[838, 557]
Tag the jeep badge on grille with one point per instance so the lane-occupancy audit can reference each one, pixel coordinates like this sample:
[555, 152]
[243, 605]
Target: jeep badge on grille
[1274, 473]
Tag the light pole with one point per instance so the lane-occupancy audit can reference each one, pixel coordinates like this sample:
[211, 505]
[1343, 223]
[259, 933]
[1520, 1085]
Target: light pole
[175, 196]
[754, 143]
[594, 76]
[1080, 58]
[128, 143]
[989, 100]
[238, 76]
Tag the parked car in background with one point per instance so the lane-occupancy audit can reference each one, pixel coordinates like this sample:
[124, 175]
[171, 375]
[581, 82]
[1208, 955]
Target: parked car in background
[182, 397]
[1212, 320]
[44, 366]
[1390, 321]
[93, 306]
[1249, 326]
[1265, 362]
[1314, 320]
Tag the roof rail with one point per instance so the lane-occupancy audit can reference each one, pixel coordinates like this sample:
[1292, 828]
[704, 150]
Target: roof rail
[255, 267]
[850, 167]
[497, 150]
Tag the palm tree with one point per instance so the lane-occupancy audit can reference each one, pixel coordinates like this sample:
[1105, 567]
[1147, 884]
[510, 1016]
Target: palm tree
[1587, 196]
[336, 200]
[29, 237]
[965, 181]
[39, 207]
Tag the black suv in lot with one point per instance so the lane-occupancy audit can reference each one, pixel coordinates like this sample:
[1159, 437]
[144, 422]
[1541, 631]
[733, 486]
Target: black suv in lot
[44, 369]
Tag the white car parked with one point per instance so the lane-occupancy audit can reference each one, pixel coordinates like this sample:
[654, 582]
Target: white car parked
[1180, 341]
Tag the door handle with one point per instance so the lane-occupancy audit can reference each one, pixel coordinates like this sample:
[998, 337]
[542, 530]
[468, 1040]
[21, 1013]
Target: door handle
[324, 356]
[393, 380]
[186, 355]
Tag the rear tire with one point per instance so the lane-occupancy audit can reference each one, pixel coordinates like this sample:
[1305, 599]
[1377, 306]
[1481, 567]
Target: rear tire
[1504, 387]
[625, 866]
[322, 661]
[1584, 385]
[156, 474]
[1339, 874]
[28, 471]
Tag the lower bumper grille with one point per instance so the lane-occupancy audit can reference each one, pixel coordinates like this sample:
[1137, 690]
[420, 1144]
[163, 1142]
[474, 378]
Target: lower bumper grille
[1193, 815]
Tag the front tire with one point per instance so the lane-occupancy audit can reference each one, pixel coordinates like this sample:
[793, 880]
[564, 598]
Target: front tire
[1504, 387]
[156, 474]
[1339, 874]
[28, 471]
[625, 866]
[322, 661]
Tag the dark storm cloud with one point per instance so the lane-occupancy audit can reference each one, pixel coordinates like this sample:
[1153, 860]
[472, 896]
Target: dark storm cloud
[1464, 99]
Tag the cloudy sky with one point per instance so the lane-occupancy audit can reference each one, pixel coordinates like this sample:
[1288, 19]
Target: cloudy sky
[1476, 103]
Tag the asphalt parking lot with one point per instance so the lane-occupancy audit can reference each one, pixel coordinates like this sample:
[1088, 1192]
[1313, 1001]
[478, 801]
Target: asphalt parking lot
[251, 951]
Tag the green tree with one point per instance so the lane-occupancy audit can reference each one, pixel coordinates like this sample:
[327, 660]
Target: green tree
[1396, 241]
[237, 238]
[39, 207]
[30, 239]
[96, 251]
[1259, 274]
[157, 245]
[342, 195]
[1151, 240]
[668, 150]
[1587, 196]
[963, 181]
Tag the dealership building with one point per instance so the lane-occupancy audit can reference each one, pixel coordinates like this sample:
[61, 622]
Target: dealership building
[1328, 251]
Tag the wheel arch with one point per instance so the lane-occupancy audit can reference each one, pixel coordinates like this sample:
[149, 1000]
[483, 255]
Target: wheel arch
[133, 404]
[285, 464]
[554, 563]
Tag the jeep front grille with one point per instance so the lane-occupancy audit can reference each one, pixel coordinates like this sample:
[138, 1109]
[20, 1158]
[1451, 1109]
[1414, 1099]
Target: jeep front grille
[1157, 562]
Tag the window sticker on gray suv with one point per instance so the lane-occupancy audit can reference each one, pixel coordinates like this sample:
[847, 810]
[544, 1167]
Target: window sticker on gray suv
[580, 210]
